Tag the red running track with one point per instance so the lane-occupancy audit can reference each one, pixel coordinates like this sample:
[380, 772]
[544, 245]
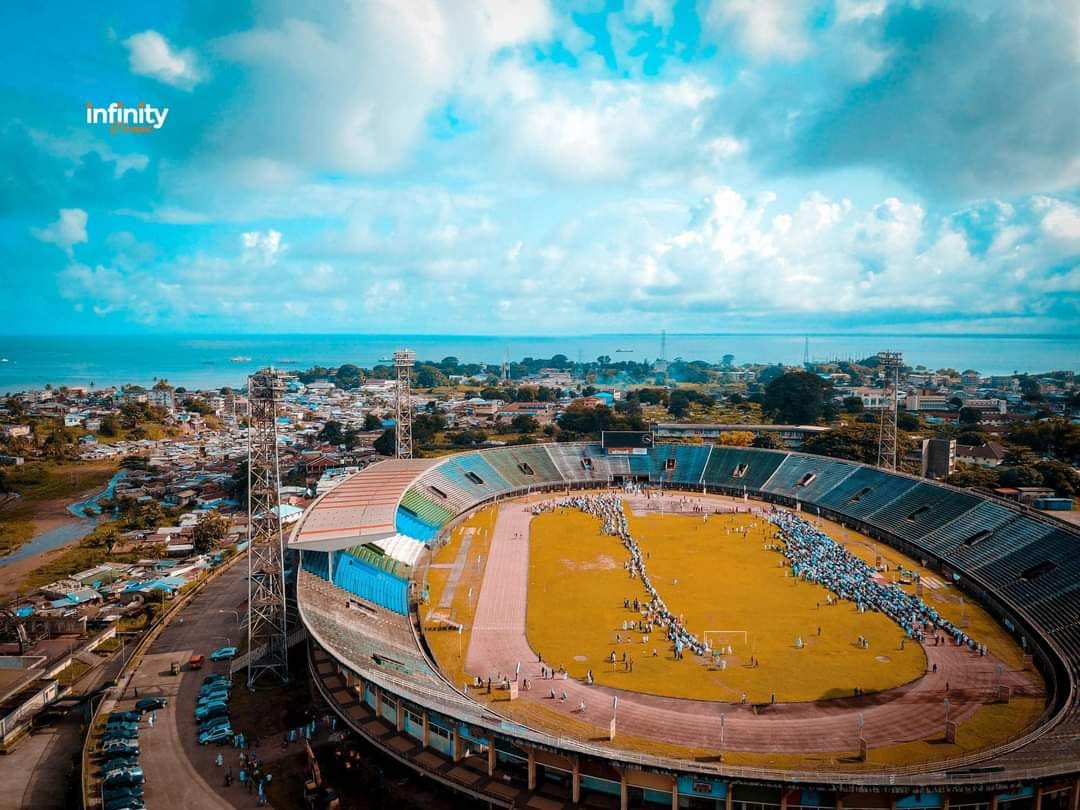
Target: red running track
[905, 714]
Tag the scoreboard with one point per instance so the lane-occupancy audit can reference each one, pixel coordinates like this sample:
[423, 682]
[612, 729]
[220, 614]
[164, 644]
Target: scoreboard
[626, 442]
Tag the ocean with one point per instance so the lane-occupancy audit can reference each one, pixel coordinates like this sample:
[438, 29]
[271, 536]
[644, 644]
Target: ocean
[212, 361]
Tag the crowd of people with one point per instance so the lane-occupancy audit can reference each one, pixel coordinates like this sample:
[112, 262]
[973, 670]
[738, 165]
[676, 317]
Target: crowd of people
[609, 508]
[816, 557]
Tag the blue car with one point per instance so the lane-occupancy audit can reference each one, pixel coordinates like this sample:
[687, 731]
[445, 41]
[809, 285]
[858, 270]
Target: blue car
[128, 776]
[216, 678]
[216, 707]
[120, 746]
[120, 764]
[214, 694]
[224, 654]
[217, 734]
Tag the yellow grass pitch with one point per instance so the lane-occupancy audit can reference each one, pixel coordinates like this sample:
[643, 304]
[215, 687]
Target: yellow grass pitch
[718, 577]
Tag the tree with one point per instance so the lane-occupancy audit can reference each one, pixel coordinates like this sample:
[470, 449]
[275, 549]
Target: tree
[970, 416]
[971, 475]
[426, 425]
[1023, 476]
[110, 426]
[428, 376]
[1064, 480]
[372, 422]
[386, 445]
[348, 376]
[678, 404]
[332, 433]
[468, 437]
[797, 398]
[523, 423]
[768, 441]
[857, 442]
[906, 420]
[209, 531]
[736, 438]
[853, 404]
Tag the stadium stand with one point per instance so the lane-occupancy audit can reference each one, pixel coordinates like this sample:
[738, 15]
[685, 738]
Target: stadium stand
[373, 584]
[524, 466]
[739, 467]
[968, 528]
[408, 523]
[680, 464]
[921, 509]
[807, 477]
[865, 491]
[977, 550]
[421, 504]
[1031, 564]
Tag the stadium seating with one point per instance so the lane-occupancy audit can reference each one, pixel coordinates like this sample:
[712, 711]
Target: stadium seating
[422, 505]
[969, 528]
[921, 509]
[580, 462]
[865, 491]
[739, 467]
[689, 463]
[1010, 537]
[370, 583]
[316, 562]
[807, 477]
[409, 524]
[471, 473]
[524, 466]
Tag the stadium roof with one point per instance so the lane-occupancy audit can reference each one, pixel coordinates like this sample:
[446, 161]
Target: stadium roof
[363, 508]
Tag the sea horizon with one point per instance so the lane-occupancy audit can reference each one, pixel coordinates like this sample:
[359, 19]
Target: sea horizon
[208, 360]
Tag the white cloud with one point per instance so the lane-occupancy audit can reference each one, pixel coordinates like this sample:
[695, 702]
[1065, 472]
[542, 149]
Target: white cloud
[69, 230]
[262, 248]
[1061, 220]
[766, 28]
[149, 54]
[369, 74]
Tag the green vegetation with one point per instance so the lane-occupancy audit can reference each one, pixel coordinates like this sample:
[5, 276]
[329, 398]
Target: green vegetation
[798, 398]
[38, 483]
[94, 549]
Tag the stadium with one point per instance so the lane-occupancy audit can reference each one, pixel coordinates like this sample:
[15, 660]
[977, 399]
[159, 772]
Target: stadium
[632, 624]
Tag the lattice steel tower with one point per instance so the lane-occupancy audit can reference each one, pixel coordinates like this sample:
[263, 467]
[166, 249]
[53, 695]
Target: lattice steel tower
[889, 363]
[404, 360]
[267, 621]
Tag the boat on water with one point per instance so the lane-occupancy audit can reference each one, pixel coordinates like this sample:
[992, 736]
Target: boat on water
[240, 359]
[624, 351]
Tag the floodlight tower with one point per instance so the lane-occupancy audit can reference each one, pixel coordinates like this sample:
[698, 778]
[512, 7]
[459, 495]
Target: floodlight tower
[889, 363]
[267, 622]
[404, 360]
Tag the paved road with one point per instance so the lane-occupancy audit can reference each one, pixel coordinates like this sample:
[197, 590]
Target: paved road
[180, 773]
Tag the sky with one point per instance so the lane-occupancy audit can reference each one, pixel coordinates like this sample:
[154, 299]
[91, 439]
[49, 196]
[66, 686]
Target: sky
[534, 167]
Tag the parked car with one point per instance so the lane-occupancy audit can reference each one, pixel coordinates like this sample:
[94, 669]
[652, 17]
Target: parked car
[213, 688]
[148, 704]
[213, 722]
[119, 764]
[196, 661]
[120, 746]
[215, 707]
[130, 803]
[129, 717]
[120, 734]
[128, 776]
[110, 754]
[216, 678]
[223, 653]
[217, 734]
[122, 791]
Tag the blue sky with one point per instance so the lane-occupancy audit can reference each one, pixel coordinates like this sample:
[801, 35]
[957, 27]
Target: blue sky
[528, 167]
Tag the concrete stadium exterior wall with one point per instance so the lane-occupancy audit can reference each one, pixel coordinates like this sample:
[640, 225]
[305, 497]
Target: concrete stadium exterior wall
[972, 775]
